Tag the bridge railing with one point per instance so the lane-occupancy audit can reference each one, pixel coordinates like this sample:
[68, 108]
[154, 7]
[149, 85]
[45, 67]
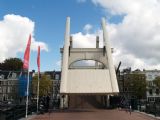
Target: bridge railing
[16, 112]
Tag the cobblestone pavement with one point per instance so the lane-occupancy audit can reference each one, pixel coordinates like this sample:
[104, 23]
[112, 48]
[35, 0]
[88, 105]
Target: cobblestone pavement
[92, 115]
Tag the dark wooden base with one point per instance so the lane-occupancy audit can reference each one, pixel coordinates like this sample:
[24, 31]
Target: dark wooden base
[87, 101]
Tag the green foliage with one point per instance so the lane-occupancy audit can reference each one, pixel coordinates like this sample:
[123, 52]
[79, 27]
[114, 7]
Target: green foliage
[12, 64]
[137, 84]
[45, 85]
[156, 81]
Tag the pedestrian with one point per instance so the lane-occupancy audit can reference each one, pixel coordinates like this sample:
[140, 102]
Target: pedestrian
[130, 109]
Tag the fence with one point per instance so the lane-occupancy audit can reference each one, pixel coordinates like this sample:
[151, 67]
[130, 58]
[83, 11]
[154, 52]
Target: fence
[16, 112]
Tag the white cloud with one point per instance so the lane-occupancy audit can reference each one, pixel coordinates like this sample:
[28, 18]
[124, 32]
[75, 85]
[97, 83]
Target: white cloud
[81, 1]
[87, 28]
[136, 38]
[58, 63]
[14, 33]
[81, 40]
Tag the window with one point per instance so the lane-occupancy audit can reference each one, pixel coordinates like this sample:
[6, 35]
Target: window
[125, 89]
[150, 83]
[149, 76]
[8, 82]
[4, 90]
[150, 91]
[1, 76]
[157, 99]
[4, 82]
[151, 99]
[157, 91]
[156, 76]
[57, 76]
[8, 90]
[13, 89]
[14, 75]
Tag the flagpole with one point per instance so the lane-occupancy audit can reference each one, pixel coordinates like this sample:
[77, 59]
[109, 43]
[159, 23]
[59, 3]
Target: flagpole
[38, 92]
[26, 67]
[38, 65]
[27, 94]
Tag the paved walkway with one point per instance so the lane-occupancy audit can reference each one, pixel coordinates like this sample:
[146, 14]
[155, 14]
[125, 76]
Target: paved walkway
[92, 115]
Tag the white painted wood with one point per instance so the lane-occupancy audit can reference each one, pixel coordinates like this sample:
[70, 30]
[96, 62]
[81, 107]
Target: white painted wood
[89, 81]
[110, 60]
[65, 57]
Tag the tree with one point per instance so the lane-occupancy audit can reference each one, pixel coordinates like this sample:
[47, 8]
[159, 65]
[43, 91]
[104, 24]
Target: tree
[45, 85]
[12, 64]
[137, 84]
[156, 81]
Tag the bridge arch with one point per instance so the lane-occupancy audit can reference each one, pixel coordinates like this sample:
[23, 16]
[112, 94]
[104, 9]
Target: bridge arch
[86, 63]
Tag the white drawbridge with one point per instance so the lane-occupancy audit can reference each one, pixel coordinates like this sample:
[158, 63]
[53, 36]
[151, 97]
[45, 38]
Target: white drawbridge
[88, 80]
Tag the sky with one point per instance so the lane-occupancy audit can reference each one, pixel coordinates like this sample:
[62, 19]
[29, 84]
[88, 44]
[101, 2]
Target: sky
[133, 29]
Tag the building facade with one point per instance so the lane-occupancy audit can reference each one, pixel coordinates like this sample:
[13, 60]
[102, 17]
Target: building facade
[153, 92]
[9, 86]
[55, 77]
[132, 86]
